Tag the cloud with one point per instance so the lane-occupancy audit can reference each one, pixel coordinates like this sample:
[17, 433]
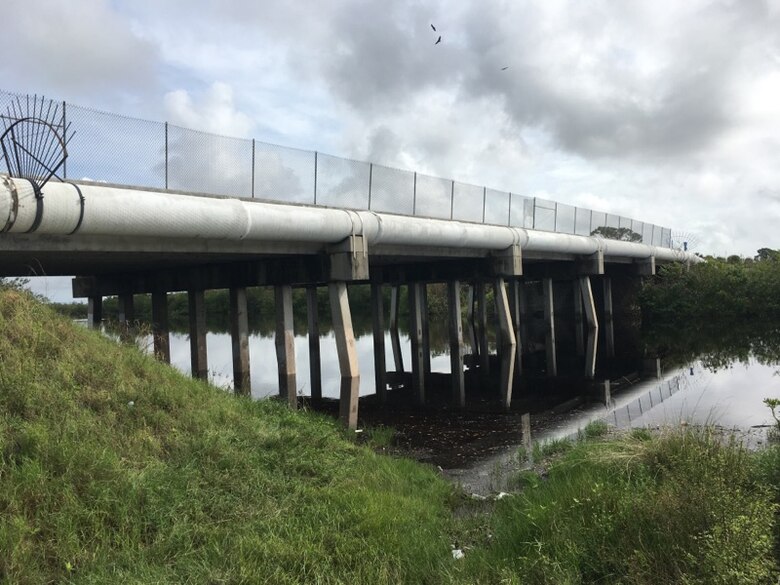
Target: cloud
[660, 110]
[215, 112]
[77, 49]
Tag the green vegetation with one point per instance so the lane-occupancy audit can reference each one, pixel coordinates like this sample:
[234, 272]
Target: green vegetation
[719, 311]
[679, 508]
[115, 468]
[612, 233]
[726, 290]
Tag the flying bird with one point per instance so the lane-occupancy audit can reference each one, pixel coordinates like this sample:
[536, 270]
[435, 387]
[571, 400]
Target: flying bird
[438, 40]
[505, 68]
[434, 28]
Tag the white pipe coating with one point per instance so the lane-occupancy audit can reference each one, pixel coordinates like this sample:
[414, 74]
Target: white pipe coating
[115, 211]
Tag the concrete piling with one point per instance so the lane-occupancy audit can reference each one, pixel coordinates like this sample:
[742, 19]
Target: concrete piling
[348, 360]
[482, 333]
[378, 327]
[395, 338]
[285, 345]
[609, 327]
[416, 337]
[549, 320]
[508, 343]
[313, 323]
[456, 345]
[586, 300]
[239, 334]
[514, 308]
[94, 312]
[197, 317]
[160, 330]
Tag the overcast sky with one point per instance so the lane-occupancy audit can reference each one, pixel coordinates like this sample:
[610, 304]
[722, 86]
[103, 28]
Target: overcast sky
[666, 111]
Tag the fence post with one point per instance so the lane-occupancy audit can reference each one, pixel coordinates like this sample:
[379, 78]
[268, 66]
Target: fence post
[370, 181]
[166, 155]
[452, 199]
[509, 212]
[555, 219]
[64, 127]
[484, 202]
[315, 177]
[414, 195]
[253, 168]
[533, 218]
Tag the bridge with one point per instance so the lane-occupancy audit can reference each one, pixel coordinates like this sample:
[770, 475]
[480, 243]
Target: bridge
[135, 207]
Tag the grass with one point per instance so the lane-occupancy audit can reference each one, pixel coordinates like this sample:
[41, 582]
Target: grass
[115, 468]
[680, 508]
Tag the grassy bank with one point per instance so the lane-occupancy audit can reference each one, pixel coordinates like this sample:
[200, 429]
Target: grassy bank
[682, 507]
[114, 468]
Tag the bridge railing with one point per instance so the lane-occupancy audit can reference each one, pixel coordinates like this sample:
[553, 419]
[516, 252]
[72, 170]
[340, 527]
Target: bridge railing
[140, 153]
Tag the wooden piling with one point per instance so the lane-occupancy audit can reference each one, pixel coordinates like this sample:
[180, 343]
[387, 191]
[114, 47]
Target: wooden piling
[285, 345]
[197, 315]
[160, 330]
[525, 432]
[315, 364]
[239, 334]
[456, 345]
[347, 352]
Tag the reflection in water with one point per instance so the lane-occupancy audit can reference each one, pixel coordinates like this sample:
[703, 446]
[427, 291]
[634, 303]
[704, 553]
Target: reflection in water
[733, 371]
[262, 361]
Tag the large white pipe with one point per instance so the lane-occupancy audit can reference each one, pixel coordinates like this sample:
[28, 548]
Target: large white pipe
[98, 210]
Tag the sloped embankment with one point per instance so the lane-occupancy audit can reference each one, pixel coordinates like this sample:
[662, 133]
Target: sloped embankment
[115, 468]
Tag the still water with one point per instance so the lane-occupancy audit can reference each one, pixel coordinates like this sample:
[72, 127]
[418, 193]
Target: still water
[262, 361]
[717, 379]
[728, 394]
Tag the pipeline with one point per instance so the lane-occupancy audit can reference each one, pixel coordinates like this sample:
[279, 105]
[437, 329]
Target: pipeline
[102, 210]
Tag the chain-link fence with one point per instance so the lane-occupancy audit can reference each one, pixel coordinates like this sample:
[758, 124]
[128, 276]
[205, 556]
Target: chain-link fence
[138, 153]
